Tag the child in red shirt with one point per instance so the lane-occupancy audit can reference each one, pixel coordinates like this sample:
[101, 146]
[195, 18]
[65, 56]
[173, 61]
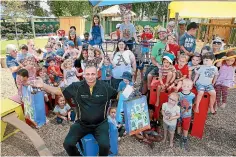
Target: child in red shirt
[146, 38]
[54, 72]
[181, 72]
[172, 46]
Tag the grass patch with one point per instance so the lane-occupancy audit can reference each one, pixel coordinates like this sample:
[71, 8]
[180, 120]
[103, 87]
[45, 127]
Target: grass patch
[39, 43]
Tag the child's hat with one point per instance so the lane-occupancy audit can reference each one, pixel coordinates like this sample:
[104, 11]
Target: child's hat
[71, 43]
[118, 25]
[168, 56]
[171, 23]
[161, 29]
[127, 75]
[147, 27]
[182, 22]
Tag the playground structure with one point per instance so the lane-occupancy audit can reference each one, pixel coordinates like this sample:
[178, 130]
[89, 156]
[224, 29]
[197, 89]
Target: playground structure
[11, 113]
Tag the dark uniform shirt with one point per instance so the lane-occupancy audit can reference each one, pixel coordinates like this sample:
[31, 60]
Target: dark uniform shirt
[92, 107]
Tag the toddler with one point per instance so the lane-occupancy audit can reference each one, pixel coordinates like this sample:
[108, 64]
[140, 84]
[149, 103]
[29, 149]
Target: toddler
[106, 70]
[54, 72]
[127, 80]
[186, 103]
[69, 72]
[139, 56]
[194, 65]
[112, 119]
[166, 74]
[181, 72]
[63, 111]
[172, 46]
[170, 112]
[225, 79]
[204, 79]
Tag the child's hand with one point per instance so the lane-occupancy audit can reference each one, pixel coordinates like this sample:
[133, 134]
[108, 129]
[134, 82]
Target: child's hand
[64, 118]
[69, 118]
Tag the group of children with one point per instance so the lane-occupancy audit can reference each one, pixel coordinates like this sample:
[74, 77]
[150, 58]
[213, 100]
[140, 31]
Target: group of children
[63, 64]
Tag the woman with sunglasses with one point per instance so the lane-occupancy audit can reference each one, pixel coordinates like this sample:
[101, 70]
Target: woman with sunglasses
[216, 47]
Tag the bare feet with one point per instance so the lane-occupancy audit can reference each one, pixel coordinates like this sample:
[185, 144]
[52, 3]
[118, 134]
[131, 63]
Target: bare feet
[171, 144]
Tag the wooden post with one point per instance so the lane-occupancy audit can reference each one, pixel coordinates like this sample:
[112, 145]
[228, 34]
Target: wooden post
[104, 24]
[206, 35]
[110, 25]
[199, 31]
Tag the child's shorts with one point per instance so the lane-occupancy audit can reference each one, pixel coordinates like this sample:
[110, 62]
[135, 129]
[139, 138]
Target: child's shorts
[139, 65]
[204, 88]
[184, 123]
[170, 128]
[145, 50]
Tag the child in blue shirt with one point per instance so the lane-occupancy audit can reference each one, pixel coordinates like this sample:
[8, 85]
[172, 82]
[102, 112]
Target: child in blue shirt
[106, 70]
[188, 41]
[186, 99]
[127, 80]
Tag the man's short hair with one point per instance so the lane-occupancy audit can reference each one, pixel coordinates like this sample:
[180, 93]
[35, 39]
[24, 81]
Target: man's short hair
[23, 73]
[86, 34]
[192, 25]
[208, 56]
[24, 47]
[9, 48]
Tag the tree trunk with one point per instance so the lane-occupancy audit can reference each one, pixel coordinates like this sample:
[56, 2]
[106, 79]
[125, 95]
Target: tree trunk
[16, 34]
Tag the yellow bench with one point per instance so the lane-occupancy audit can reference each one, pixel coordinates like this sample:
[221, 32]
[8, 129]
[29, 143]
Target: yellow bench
[7, 107]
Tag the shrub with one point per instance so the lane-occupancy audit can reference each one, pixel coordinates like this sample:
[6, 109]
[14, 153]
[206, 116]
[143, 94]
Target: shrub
[57, 26]
[21, 36]
[30, 36]
[10, 36]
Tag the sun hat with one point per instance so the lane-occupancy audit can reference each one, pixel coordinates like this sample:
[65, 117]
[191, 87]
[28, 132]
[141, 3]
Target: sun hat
[147, 26]
[161, 29]
[168, 56]
[71, 43]
[127, 75]
[182, 22]
[171, 23]
[118, 25]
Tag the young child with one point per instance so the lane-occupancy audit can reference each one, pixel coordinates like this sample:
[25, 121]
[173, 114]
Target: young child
[117, 32]
[71, 51]
[146, 38]
[187, 40]
[96, 35]
[106, 70]
[128, 31]
[204, 79]
[92, 59]
[112, 119]
[85, 41]
[186, 103]
[127, 80]
[69, 72]
[172, 46]
[166, 74]
[54, 72]
[194, 65]
[139, 56]
[63, 111]
[23, 54]
[170, 112]
[48, 54]
[181, 72]
[225, 79]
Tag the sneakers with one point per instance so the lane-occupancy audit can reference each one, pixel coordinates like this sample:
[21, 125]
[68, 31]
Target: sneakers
[184, 144]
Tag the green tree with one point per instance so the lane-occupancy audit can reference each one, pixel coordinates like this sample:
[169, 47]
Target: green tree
[150, 9]
[33, 8]
[14, 10]
[70, 8]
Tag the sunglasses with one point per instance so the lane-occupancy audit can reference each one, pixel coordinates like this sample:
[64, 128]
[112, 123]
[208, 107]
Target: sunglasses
[217, 43]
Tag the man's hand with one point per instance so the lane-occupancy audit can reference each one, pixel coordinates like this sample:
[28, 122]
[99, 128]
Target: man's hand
[37, 83]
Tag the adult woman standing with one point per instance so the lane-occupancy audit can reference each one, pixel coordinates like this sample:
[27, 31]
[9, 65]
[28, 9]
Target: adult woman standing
[216, 47]
[123, 60]
[96, 35]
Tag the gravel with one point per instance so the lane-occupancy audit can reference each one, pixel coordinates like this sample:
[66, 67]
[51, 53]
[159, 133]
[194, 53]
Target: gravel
[219, 138]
